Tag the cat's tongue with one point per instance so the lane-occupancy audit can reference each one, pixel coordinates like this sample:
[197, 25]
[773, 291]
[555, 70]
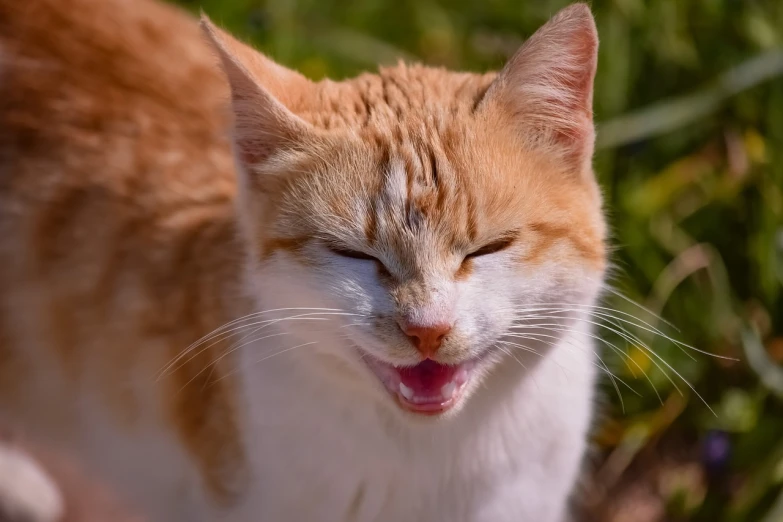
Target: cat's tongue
[428, 387]
[427, 377]
[431, 387]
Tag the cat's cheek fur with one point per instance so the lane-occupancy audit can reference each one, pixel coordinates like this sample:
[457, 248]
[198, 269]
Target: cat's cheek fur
[537, 424]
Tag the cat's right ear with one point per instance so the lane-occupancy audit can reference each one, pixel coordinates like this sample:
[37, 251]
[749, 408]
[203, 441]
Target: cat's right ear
[261, 93]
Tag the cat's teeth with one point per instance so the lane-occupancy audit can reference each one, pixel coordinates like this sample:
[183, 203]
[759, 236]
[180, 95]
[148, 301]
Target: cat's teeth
[406, 392]
[448, 390]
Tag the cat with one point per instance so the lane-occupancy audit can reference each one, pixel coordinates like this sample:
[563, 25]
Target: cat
[38, 484]
[238, 294]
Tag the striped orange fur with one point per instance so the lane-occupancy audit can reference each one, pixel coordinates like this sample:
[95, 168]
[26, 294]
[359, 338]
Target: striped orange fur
[127, 233]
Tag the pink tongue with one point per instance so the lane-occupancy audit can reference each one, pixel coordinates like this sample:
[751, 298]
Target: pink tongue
[427, 377]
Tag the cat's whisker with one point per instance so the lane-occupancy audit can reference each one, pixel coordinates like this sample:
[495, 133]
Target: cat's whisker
[212, 364]
[301, 316]
[235, 331]
[237, 369]
[611, 312]
[561, 328]
[279, 352]
[508, 352]
[173, 366]
[651, 352]
[611, 346]
[237, 346]
[234, 348]
[250, 316]
[604, 308]
[602, 311]
[522, 347]
[630, 301]
[644, 326]
[355, 324]
[602, 366]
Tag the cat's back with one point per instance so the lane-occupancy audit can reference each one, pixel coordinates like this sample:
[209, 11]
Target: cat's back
[116, 239]
[113, 141]
[116, 214]
[95, 92]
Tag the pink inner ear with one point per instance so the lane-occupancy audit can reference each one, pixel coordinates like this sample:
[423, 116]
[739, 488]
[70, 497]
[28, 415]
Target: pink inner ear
[580, 80]
[260, 89]
[547, 86]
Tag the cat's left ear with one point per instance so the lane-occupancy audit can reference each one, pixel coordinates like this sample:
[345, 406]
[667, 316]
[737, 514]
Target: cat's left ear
[546, 88]
[262, 94]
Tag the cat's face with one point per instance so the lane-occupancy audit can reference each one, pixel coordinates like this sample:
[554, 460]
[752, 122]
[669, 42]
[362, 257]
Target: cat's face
[409, 221]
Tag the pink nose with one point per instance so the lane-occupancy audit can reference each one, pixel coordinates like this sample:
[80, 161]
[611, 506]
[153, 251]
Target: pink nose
[427, 339]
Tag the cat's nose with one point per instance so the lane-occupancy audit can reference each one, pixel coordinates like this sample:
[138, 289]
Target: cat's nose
[426, 338]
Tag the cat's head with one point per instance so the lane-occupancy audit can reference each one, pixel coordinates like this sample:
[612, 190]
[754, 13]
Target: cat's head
[406, 221]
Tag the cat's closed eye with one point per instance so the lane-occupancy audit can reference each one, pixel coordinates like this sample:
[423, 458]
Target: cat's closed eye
[491, 248]
[351, 254]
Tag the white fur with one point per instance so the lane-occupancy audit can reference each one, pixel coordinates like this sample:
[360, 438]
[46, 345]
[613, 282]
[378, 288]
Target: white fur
[26, 492]
[512, 454]
[328, 442]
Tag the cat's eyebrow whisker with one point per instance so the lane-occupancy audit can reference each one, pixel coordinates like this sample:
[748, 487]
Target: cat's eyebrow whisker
[172, 366]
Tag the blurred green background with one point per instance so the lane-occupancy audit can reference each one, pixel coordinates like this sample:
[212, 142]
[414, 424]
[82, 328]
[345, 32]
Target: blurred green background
[689, 100]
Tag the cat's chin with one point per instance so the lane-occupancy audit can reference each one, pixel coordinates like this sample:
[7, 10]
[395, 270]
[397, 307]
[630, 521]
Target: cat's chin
[428, 388]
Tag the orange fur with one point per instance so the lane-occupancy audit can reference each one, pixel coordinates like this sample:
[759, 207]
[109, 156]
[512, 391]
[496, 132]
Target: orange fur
[116, 210]
[118, 236]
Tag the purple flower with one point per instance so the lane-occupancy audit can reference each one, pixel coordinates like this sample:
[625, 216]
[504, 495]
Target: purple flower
[715, 450]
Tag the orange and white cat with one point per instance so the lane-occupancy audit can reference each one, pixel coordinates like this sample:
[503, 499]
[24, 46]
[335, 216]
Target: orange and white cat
[396, 270]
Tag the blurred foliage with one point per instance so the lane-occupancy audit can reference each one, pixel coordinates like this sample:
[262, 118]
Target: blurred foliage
[690, 99]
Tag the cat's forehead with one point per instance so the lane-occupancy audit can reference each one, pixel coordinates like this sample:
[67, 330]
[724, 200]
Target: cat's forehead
[419, 172]
[434, 185]
[397, 96]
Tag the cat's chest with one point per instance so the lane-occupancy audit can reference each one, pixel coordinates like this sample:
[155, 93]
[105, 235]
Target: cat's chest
[316, 460]
[317, 454]
[341, 478]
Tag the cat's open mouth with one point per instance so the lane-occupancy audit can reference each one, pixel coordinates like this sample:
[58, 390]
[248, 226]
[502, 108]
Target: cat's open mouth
[428, 388]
